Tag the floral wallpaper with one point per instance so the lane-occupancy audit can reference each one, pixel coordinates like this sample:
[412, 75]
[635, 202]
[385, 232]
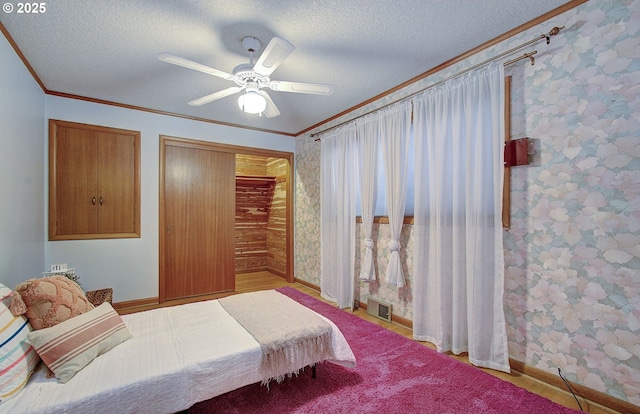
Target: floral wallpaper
[307, 210]
[572, 254]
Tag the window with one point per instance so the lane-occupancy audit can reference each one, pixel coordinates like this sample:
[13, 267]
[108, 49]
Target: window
[381, 209]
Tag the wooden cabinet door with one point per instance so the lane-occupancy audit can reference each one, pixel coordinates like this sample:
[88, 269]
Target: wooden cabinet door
[199, 218]
[94, 182]
[76, 178]
[116, 192]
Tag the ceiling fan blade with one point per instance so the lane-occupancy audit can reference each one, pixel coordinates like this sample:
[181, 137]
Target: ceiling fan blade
[189, 64]
[301, 87]
[271, 111]
[212, 97]
[275, 52]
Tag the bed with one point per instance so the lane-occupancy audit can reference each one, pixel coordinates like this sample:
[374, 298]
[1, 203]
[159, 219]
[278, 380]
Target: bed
[177, 356]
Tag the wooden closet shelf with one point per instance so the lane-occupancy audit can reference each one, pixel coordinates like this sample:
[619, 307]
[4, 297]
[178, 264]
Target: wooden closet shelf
[254, 179]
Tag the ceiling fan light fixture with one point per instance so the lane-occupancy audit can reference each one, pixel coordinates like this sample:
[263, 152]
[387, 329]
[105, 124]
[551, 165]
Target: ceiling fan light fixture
[252, 102]
[252, 77]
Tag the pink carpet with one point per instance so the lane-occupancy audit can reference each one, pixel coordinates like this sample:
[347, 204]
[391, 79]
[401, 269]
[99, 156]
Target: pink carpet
[393, 375]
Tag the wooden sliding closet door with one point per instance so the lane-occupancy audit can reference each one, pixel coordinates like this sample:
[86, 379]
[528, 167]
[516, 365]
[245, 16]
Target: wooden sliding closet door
[199, 219]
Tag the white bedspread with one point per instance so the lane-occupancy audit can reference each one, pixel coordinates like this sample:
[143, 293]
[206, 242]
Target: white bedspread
[177, 357]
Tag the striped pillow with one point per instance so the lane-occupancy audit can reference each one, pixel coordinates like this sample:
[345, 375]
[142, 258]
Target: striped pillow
[18, 359]
[71, 345]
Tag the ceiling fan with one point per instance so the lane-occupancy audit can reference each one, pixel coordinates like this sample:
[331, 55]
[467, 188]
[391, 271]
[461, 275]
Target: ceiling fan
[251, 78]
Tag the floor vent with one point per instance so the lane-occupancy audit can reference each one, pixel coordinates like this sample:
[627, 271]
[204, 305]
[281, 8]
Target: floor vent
[379, 309]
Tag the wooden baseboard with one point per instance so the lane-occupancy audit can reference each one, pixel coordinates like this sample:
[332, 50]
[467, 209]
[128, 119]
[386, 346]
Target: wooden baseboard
[408, 323]
[581, 391]
[135, 303]
[262, 269]
[277, 272]
[307, 284]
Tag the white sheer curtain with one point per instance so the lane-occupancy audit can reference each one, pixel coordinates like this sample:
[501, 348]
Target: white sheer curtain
[368, 142]
[459, 256]
[338, 173]
[395, 128]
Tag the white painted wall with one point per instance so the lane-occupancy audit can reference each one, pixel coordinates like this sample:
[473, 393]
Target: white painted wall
[22, 171]
[130, 266]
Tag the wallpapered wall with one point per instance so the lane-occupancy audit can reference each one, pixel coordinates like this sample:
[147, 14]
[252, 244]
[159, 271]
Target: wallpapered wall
[572, 254]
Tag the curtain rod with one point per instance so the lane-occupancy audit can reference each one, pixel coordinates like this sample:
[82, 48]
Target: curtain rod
[528, 55]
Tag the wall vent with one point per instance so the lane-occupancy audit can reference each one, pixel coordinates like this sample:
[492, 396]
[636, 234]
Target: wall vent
[379, 309]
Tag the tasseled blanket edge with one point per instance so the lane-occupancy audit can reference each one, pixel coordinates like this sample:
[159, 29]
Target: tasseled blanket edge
[288, 361]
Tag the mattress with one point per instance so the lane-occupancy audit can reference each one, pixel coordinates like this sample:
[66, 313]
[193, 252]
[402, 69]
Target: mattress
[178, 356]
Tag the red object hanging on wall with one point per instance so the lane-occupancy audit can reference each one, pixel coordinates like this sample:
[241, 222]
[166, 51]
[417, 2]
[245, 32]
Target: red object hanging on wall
[516, 152]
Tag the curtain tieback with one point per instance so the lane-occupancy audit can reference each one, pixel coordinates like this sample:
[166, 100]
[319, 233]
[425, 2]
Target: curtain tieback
[394, 245]
[368, 243]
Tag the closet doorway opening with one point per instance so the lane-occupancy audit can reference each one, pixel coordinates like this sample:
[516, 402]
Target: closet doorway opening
[261, 214]
[225, 210]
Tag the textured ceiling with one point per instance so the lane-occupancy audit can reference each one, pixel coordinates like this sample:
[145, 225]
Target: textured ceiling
[108, 50]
